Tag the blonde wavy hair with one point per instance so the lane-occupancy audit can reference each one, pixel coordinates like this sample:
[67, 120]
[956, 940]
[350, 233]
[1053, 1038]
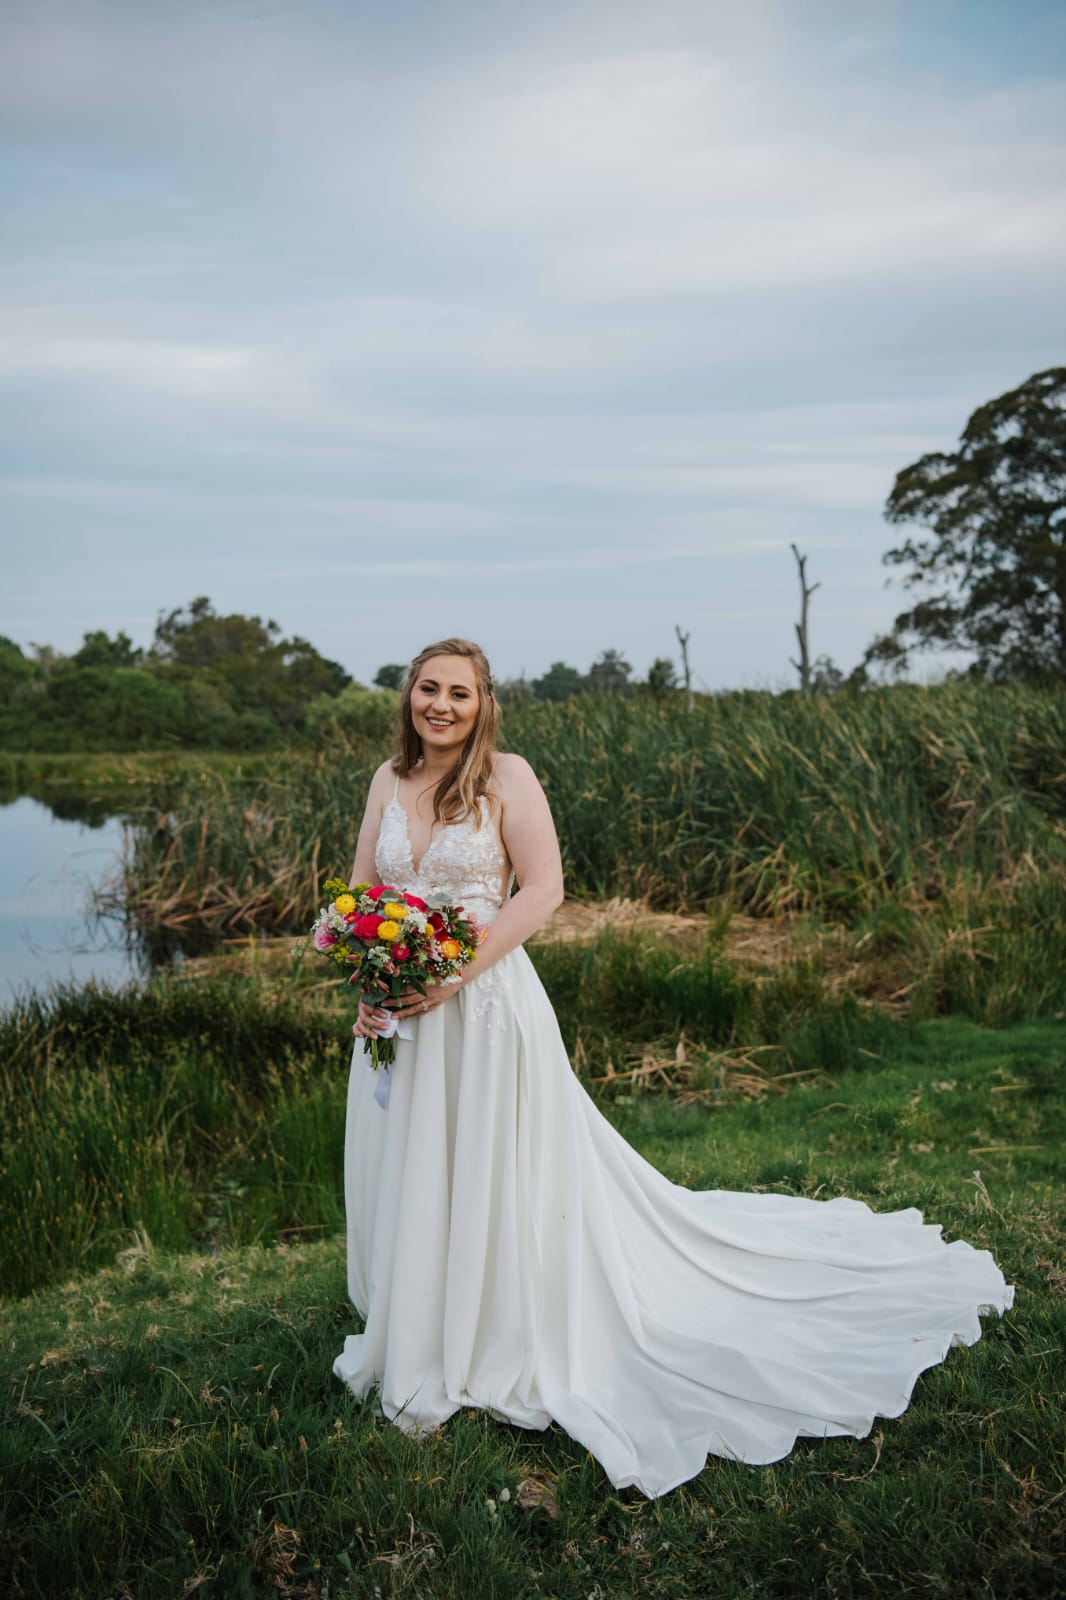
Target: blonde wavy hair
[458, 792]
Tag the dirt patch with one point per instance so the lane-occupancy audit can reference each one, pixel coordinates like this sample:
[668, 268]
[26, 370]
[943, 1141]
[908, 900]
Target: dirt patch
[751, 942]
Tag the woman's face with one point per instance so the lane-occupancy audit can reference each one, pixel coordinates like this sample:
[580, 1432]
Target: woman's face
[445, 703]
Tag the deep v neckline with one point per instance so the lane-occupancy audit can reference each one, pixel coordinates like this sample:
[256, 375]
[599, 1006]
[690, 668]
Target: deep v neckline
[417, 871]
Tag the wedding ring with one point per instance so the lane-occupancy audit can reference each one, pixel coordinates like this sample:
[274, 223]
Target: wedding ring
[425, 1005]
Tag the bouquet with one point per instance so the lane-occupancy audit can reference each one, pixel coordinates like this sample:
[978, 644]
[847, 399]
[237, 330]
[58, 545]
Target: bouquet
[385, 941]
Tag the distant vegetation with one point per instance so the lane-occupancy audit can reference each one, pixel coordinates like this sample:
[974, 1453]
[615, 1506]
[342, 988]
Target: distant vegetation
[230, 683]
[208, 682]
[936, 814]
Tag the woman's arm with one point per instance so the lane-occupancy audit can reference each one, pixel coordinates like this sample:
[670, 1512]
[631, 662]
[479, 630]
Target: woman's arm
[529, 837]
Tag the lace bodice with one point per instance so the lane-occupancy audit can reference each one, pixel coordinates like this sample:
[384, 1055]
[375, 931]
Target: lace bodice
[463, 863]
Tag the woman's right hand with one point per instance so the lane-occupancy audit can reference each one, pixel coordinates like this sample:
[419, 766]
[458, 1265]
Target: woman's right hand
[371, 1019]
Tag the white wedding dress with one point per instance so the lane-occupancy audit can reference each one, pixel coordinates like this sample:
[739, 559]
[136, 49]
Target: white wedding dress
[508, 1249]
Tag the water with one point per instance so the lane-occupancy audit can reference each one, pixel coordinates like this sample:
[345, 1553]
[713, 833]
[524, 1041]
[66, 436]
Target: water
[49, 862]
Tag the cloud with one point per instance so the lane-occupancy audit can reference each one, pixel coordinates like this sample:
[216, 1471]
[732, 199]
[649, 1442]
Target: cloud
[571, 306]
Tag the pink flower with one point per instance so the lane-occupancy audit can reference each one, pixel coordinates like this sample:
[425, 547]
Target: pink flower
[367, 927]
[400, 952]
[324, 938]
[413, 900]
[383, 889]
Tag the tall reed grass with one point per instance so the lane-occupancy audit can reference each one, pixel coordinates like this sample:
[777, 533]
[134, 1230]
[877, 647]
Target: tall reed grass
[780, 802]
[211, 1110]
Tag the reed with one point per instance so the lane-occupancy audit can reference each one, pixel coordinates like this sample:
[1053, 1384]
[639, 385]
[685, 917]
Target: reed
[210, 1111]
[778, 802]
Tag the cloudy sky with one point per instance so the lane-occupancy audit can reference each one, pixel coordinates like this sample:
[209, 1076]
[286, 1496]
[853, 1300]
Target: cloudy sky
[550, 324]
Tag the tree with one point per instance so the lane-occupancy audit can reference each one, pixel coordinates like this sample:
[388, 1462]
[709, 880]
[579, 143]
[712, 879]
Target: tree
[260, 672]
[826, 677]
[99, 650]
[510, 691]
[15, 668]
[199, 637]
[995, 571]
[803, 665]
[390, 676]
[609, 673]
[559, 682]
[686, 666]
[662, 676]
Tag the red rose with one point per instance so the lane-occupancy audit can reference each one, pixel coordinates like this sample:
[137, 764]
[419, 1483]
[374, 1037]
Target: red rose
[400, 952]
[383, 889]
[413, 900]
[367, 927]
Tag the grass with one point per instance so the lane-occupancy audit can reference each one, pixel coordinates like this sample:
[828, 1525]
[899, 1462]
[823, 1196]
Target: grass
[779, 803]
[116, 772]
[172, 1426]
[206, 1111]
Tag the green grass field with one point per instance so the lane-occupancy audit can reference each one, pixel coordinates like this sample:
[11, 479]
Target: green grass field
[172, 1426]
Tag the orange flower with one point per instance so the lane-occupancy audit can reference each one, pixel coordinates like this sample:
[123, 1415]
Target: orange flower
[449, 948]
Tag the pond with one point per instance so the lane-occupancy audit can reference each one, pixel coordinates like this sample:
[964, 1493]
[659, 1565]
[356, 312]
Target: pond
[51, 857]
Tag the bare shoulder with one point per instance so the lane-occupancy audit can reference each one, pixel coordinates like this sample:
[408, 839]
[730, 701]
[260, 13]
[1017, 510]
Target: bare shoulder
[381, 785]
[513, 776]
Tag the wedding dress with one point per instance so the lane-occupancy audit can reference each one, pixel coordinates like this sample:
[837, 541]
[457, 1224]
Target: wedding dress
[508, 1249]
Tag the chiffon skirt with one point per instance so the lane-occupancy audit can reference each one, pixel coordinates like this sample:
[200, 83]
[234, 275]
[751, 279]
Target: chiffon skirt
[508, 1249]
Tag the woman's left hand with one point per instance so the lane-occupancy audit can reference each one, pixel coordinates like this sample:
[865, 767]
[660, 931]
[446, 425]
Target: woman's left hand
[413, 1004]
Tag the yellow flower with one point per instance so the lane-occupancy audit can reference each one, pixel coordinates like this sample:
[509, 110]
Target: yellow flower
[393, 911]
[388, 931]
[344, 903]
[449, 948]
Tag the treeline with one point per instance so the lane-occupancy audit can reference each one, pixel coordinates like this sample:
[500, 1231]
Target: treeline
[610, 673]
[213, 682]
[207, 682]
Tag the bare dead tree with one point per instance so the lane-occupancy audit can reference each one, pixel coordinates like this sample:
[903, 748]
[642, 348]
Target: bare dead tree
[803, 665]
[683, 639]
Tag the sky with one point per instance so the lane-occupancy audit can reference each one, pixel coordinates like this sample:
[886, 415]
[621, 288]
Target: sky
[552, 325]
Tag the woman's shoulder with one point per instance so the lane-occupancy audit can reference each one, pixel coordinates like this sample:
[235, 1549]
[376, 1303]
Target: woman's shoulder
[512, 774]
[383, 782]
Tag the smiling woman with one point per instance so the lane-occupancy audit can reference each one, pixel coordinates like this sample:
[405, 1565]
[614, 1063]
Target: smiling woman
[509, 1250]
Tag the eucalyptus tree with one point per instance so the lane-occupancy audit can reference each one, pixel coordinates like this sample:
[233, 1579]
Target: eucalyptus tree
[992, 574]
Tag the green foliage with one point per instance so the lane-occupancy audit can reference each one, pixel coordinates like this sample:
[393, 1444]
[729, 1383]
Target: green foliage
[994, 574]
[356, 714]
[181, 1108]
[390, 676]
[609, 673]
[779, 803]
[662, 676]
[209, 681]
[172, 1423]
[559, 682]
[262, 672]
[99, 650]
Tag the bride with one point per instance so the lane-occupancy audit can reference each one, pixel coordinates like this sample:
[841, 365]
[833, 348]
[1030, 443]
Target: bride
[508, 1249]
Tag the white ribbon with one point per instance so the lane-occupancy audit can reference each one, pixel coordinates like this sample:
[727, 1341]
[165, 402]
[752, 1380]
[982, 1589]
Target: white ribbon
[398, 1027]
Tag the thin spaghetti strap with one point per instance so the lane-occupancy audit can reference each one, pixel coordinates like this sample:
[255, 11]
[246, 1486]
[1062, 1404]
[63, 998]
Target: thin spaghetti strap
[396, 787]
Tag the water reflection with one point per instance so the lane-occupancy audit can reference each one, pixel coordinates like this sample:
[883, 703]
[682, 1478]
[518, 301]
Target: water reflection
[50, 858]
[54, 853]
